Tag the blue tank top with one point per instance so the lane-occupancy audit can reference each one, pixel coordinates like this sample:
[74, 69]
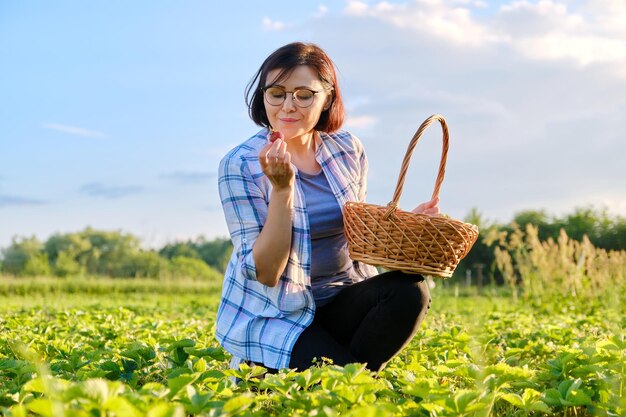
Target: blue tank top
[331, 267]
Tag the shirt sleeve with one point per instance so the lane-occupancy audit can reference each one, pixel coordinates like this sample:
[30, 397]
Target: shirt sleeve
[245, 209]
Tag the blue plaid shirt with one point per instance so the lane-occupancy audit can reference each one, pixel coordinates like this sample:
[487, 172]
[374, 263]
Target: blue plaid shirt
[256, 322]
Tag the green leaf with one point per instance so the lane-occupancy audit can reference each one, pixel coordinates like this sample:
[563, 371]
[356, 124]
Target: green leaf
[200, 365]
[607, 345]
[512, 398]
[540, 406]
[432, 408]
[96, 390]
[578, 397]
[166, 410]
[552, 397]
[565, 386]
[34, 385]
[373, 410]
[154, 389]
[214, 353]
[530, 395]
[112, 369]
[238, 404]
[121, 407]
[129, 366]
[183, 343]
[463, 398]
[197, 401]
[420, 389]
[18, 410]
[179, 382]
[352, 370]
[42, 407]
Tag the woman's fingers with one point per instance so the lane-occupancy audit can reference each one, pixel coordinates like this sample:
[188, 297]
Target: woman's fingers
[280, 152]
[269, 153]
[276, 162]
[430, 207]
[287, 160]
[263, 155]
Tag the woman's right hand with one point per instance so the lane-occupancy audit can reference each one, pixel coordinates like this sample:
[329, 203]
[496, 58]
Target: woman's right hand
[276, 164]
[272, 246]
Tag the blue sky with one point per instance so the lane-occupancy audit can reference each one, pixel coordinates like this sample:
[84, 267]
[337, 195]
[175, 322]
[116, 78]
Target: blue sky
[115, 114]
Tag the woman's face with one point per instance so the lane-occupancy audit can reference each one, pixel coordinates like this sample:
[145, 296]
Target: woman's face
[289, 118]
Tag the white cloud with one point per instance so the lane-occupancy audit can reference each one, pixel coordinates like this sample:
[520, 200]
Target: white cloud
[322, 10]
[73, 130]
[356, 8]
[548, 30]
[583, 50]
[360, 122]
[273, 25]
[610, 15]
[439, 18]
[475, 3]
[544, 30]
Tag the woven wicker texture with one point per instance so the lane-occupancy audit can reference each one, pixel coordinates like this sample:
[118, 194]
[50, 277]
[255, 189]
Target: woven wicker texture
[399, 240]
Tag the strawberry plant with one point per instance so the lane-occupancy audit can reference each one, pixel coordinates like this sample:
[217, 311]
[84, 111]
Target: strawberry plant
[154, 353]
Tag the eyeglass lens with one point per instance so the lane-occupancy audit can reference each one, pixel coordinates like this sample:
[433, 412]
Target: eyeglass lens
[302, 97]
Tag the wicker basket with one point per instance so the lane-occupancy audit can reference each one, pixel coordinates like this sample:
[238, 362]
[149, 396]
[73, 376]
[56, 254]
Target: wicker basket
[406, 241]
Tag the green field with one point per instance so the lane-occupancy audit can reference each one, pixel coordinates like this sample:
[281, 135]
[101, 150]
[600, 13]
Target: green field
[138, 347]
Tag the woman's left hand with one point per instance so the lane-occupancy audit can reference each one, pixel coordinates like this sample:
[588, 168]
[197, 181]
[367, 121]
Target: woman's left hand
[430, 207]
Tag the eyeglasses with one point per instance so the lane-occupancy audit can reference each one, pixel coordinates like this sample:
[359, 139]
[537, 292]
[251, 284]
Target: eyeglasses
[302, 97]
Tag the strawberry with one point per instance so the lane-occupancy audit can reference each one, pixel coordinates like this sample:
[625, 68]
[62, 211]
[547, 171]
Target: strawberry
[275, 135]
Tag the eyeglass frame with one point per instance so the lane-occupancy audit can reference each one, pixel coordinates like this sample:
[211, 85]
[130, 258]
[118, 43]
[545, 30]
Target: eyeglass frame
[264, 90]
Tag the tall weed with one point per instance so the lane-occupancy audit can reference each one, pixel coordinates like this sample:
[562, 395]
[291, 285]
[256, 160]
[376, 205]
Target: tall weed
[550, 270]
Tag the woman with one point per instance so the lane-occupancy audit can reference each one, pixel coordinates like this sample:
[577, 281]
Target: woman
[291, 293]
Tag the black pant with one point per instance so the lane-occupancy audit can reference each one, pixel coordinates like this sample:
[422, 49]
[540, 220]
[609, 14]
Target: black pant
[370, 322]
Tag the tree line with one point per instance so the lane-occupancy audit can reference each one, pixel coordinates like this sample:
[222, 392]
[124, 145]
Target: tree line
[118, 254]
[114, 254]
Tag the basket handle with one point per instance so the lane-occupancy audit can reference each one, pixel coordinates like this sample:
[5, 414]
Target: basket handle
[393, 204]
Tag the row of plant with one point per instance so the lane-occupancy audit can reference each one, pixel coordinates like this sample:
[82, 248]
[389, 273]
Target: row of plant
[52, 286]
[473, 357]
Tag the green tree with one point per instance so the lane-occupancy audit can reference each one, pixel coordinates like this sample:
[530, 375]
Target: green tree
[69, 249]
[37, 265]
[17, 256]
[66, 265]
[603, 230]
[584, 221]
[173, 250]
[95, 251]
[215, 253]
[143, 264]
[538, 218]
[184, 267]
[113, 251]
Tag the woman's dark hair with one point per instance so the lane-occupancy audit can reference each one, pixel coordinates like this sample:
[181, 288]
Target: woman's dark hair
[287, 58]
